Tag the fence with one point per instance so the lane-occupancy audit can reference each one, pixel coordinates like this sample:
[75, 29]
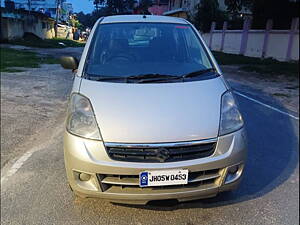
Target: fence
[282, 45]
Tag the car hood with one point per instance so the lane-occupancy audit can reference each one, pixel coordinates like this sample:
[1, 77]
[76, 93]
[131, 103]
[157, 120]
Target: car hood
[157, 112]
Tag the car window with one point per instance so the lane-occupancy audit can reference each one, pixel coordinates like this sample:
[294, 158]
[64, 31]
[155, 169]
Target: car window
[128, 49]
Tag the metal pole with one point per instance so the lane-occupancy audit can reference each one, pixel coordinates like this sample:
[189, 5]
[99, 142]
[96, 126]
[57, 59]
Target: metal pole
[29, 6]
[56, 18]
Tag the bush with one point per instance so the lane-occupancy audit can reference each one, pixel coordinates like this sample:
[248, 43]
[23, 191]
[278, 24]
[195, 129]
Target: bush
[207, 12]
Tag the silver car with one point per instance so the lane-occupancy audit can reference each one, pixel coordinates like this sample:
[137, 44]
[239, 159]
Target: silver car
[150, 115]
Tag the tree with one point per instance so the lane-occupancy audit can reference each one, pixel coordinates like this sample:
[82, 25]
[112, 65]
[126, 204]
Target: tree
[235, 6]
[85, 19]
[207, 12]
[234, 9]
[88, 20]
[116, 6]
[75, 23]
[144, 5]
[97, 3]
[281, 11]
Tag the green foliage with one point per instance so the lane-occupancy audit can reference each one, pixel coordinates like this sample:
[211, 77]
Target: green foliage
[144, 5]
[113, 7]
[75, 23]
[85, 19]
[116, 6]
[19, 58]
[88, 20]
[233, 6]
[281, 11]
[207, 12]
[46, 43]
[267, 66]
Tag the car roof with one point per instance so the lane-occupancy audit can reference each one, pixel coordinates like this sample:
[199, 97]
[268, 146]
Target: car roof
[142, 19]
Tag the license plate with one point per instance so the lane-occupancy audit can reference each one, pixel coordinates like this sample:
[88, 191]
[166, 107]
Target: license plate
[163, 177]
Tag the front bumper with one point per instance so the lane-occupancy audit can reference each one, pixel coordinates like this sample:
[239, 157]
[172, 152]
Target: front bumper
[118, 181]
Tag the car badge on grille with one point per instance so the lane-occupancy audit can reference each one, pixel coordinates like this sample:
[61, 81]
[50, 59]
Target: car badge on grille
[163, 154]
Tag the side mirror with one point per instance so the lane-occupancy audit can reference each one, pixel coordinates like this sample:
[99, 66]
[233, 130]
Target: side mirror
[69, 62]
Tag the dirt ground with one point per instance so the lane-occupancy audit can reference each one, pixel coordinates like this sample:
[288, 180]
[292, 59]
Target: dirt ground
[32, 103]
[282, 88]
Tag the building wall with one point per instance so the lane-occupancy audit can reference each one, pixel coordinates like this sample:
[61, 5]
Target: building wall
[65, 32]
[67, 11]
[14, 25]
[11, 29]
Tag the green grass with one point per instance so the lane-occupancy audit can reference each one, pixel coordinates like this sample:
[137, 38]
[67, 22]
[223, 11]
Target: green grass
[19, 58]
[46, 43]
[281, 95]
[263, 66]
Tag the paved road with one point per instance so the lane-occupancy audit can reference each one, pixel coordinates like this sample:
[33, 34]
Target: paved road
[34, 189]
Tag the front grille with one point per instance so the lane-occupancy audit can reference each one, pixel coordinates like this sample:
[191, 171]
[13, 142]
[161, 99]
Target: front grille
[150, 154]
[129, 183]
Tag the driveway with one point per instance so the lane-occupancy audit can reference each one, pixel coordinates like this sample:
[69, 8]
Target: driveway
[34, 188]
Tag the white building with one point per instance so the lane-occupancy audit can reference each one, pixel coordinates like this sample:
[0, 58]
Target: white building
[66, 11]
[49, 7]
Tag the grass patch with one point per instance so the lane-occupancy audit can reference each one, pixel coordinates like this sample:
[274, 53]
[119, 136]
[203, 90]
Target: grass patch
[31, 40]
[19, 58]
[292, 87]
[49, 60]
[262, 66]
[47, 43]
[281, 95]
[10, 70]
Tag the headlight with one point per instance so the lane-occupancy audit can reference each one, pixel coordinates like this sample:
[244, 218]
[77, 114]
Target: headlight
[81, 120]
[231, 118]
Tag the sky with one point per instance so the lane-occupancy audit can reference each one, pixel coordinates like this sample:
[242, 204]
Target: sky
[82, 5]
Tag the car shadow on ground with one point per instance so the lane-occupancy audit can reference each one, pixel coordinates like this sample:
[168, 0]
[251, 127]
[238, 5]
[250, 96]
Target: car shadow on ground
[272, 156]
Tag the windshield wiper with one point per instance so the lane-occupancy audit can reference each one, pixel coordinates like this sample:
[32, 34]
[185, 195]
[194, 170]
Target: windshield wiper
[142, 78]
[151, 76]
[198, 73]
[104, 78]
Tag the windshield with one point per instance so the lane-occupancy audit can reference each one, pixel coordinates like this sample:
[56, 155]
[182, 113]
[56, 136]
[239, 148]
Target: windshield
[135, 49]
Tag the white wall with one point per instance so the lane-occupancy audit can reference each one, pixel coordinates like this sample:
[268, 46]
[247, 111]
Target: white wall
[255, 43]
[278, 45]
[295, 48]
[276, 48]
[217, 37]
[232, 42]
